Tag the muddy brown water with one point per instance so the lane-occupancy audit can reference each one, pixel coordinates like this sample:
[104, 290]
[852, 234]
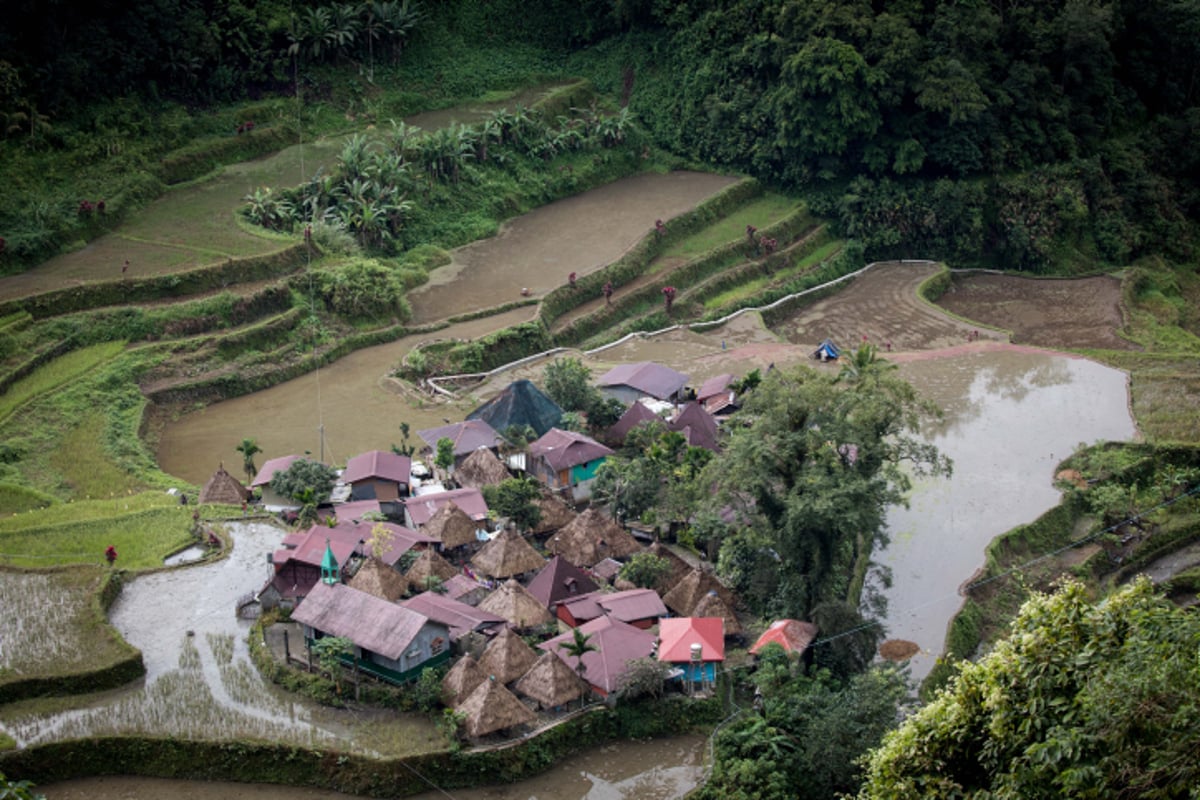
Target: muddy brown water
[659, 769]
[1011, 417]
[351, 398]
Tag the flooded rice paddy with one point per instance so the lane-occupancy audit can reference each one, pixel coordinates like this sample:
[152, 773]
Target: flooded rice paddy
[659, 769]
[1010, 417]
[43, 615]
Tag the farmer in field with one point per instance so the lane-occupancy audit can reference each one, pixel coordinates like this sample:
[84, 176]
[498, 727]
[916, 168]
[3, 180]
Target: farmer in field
[110, 555]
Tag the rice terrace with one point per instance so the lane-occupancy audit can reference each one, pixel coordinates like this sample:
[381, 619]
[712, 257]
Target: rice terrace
[412, 399]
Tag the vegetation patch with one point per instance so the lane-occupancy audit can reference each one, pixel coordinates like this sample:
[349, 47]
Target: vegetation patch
[55, 374]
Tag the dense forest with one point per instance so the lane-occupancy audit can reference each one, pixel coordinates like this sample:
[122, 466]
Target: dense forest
[1029, 135]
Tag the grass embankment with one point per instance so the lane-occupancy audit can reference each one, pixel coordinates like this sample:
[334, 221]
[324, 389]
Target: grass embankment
[763, 211]
[56, 374]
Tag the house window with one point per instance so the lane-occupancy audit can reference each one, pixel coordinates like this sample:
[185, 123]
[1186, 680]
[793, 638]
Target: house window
[437, 645]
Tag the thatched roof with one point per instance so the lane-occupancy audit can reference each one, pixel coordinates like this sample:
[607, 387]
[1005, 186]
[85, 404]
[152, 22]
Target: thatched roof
[223, 488]
[513, 602]
[555, 514]
[592, 537]
[507, 555]
[550, 682]
[684, 596]
[480, 469]
[507, 657]
[377, 578]
[679, 567]
[711, 605]
[461, 680]
[492, 708]
[451, 525]
[429, 565]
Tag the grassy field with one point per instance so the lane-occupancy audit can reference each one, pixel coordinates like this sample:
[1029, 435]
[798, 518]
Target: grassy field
[753, 287]
[57, 373]
[760, 212]
[50, 626]
[145, 528]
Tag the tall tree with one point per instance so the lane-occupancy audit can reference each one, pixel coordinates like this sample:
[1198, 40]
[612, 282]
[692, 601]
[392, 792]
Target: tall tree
[1082, 699]
[249, 449]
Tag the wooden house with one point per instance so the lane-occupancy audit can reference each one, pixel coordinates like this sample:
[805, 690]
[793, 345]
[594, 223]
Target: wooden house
[565, 460]
[694, 645]
[617, 644]
[378, 475]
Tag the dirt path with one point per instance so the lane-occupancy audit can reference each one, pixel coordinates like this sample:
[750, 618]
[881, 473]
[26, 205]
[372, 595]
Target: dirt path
[881, 306]
[1052, 312]
[538, 250]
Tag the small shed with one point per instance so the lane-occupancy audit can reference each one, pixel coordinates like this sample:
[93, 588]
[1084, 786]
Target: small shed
[492, 708]
[513, 602]
[461, 680]
[272, 500]
[507, 555]
[224, 488]
[507, 657]
[550, 682]
[792, 635]
[378, 475]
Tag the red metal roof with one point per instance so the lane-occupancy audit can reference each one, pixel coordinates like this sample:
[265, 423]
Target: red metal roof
[646, 377]
[467, 436]
[423, 507]
[714, 386]
[697, 426]
[345, 537]
[563, 449]
[560, 580]
[268, 470]
[460, 617]
[378, 464]
[618, 643]
[635, 415]
[370, 622]
[631, 605]
[677, 635]
[791, 634]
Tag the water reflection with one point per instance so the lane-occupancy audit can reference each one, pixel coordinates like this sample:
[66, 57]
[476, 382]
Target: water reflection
[1011, 417]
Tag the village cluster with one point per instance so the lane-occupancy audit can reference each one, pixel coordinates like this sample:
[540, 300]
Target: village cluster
[453, 583]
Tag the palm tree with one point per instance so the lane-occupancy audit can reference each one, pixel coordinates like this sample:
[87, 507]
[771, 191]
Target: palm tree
[580, 646]
[307, 497]
[863, 363]
[249, 449]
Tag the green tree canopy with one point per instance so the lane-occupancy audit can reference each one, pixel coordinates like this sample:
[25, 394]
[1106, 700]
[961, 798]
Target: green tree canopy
[569, 383]
[515, 498]
[302, 475]
[1083, 699]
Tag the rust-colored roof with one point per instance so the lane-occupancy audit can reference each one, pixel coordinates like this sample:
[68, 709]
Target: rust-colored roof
[467, 436]
[698, 426]
[550, 682]
[714, 386]
[459, 617]
[645, 377]
[516, 605]
[423, 507]
[676, 636]
[378, 579]
[591, 537]
[372, 624]
[480, 469]
[791, 634]
[464, 589]
[451, 525]
[635, 415]
[492, 708]
[630, 605]
[507, 555]
[607, 568]
[565, 449]
[461, 680]
[560, 580]
[618, 643]
[268, 470]
[223, 488]
[507, 657]
[378, 464]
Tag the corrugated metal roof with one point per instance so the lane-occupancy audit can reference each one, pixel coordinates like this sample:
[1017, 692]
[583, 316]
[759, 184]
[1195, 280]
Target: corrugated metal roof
[560, 580]
[378, 464]
[677, 635]
[371, 623]
[563, 449]
[268, 470]
[646, 377]
[468, 436]
[618, 643]
[791, 634]
[635, 415]
[713, 386]
[460, 617]
[627, 606]
[421, 509]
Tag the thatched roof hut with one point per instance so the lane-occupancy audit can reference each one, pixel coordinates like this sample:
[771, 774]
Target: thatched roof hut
[591, 537]
[550, 682]
[452, 526]
[514, 602]
[224, 488]
[507, 657]
[377, 578]
[555, 515]
[429, 565]
[679, 567]
[461, 680]
[711, 605]
[507, 555]
[492, 708]
[684, 596]
[480, 469]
